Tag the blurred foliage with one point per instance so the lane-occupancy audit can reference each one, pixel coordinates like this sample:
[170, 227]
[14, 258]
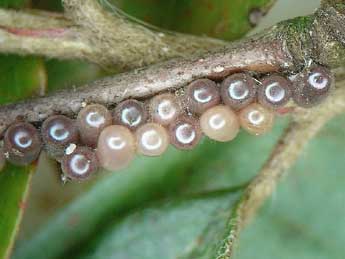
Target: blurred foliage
[305, 217]
[224, 19]
[13, 3]
[20, 78]
[14, 184]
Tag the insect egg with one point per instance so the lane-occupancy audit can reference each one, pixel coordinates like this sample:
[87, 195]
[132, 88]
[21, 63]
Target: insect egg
[164, 108]
[185, 132]
[256, 119]
[238, 90]
[80, 164]
[22, 143]
[220, 123]
[274, 92]
[91, 121]
[130, 113]
[152, 139]
[116, 147]
[201, 95]
[312, 86]
[58, 132]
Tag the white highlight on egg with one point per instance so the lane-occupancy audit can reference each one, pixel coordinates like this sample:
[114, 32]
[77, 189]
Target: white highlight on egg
[274, 92]
[314, 78]
[126, 114]
[166, 110]
[217, 122]
[151, 140]
[94, 119]
[116, 143]
[200, 96]
[236, 90]
[75, 164]
[255, 117]
[22, 139]
[53, 132]
[182, 137]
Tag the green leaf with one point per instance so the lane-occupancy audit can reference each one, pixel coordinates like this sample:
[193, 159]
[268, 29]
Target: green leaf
[305, 216]
[148, 179]
[19, 79]
[13, 190]
[70, 73]
[13, 3]
[226, 19]
[168, 230]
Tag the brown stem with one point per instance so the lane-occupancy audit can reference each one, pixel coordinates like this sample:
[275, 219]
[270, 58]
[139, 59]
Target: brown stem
[288, 46]
[262, 55]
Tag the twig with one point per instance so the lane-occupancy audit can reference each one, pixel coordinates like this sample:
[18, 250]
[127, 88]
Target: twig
[305, 125]
[95, 35]
[287, 46]
[264, 55]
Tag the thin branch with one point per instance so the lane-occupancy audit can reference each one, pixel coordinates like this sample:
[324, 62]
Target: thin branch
[43, 43]
[32, 19]
[95, 35]
[263, 55]
[286, 46]
[305, 125]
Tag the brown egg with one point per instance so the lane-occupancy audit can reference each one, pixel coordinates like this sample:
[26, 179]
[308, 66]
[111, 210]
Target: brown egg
[238, 90]
[58, 132]
[91, 121]
[80, 164]
[256, 119]
[220, 123]
[312, 86]
[116, 147]
[22, 143]
[152, 139]
[274, 92]
[202, 94]
[130, 113]
[164, 109]
[185, 132]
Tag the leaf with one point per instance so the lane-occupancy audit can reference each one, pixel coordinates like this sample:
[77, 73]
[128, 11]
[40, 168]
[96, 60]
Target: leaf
[221, 19]
[305, 217]
[168, 230]
[67, 73]
[14, 186]
[13, 3]
[19, 78]
[147, 179]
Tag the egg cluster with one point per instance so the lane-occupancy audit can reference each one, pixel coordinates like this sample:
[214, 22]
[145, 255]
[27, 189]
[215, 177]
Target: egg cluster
[109, 139]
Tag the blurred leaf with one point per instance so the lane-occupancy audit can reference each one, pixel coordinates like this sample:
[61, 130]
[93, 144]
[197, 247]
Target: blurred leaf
[13, 3]
[49, 5]
[70, 73]
[19, 79]
[305, 217]
[168, 230]
[13, 191]
[226, 19]
[148, 179]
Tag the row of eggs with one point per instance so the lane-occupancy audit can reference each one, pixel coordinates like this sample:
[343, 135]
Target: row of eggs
[109, 139]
